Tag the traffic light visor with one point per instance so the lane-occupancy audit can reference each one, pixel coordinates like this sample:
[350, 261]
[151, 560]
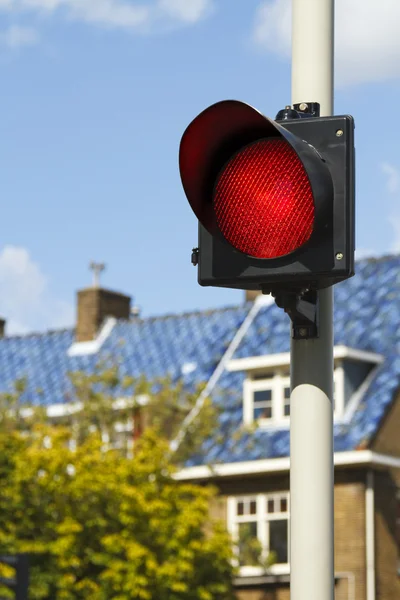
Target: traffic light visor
[207, 143]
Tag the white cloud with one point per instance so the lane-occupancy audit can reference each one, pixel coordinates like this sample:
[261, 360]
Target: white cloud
[123, 14]
[273, 26]
[392, 185]
[392, 177]
[25, 300]
[367, 40]
[362, 253]
[112, 13]
[17, 37]
[188, 11]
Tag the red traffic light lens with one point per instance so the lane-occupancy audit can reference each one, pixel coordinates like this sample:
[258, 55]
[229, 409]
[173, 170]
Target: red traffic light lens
[263, 200]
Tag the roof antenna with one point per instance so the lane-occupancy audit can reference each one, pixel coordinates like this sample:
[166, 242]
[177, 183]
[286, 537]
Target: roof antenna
[97, 269]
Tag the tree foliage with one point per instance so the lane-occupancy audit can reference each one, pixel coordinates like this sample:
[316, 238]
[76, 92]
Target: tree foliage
[104, 522]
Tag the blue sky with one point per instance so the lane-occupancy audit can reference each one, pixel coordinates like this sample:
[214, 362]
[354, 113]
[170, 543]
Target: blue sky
[95, 97]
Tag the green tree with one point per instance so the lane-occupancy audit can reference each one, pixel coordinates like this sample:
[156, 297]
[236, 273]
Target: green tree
[104, 525]
[15, 415]
[160, 404]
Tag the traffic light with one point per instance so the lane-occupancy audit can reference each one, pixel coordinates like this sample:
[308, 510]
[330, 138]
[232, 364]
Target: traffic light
[274, 199]
[19, 584]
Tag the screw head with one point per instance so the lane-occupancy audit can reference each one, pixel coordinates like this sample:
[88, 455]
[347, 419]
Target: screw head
[339, 256]
[339, 133]
[303, 331]
[195, 257]
[303, 106]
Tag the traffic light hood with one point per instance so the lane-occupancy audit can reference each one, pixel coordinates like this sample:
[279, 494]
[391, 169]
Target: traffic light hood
[209, 140]
[220, 132]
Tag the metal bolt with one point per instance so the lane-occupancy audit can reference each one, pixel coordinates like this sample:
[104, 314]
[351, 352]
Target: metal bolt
[303, 106]
[339, 133]
[195, 256]
[303, 331]
[339, 256]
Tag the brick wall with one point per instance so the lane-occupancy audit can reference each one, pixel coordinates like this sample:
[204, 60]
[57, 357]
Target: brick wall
[387, 440]
[278, 593]
[350, 551]
[386, 548]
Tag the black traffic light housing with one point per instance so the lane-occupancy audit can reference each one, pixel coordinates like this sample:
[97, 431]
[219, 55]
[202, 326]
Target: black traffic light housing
[325, 146]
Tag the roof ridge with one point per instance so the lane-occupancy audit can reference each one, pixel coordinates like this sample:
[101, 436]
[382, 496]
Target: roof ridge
[32, 334]
[191, 313]
[151, 318]
[377, 259]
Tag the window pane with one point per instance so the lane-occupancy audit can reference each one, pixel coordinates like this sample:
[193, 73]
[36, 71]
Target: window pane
[263, 413]
[247, 506]
[278, 540]
[262, 396]
[270, 506]
[249, 546]
[287, 393]
[283, 505]
[287, 410]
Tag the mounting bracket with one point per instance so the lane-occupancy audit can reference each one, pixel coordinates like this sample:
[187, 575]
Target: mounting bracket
[299, 111]
[303, 310]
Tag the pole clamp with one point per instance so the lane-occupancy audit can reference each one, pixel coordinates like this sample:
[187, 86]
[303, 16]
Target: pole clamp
[303, 310]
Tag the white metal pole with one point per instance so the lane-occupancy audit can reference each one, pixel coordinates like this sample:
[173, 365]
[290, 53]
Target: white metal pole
[311, 419]
[312, 52]
[370, 535]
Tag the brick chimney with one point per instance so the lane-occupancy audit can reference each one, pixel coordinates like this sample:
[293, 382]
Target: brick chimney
[251, 295]
[2, 328]
[95, 304]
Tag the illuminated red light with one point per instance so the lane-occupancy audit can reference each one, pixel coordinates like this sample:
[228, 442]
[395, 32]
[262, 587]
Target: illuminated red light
[263, 200]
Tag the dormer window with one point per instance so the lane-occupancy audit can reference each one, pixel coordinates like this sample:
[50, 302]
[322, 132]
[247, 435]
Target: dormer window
[266, 389]
[267, 398]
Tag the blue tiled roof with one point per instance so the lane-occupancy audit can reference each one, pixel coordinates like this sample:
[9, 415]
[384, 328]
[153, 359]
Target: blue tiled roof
[154, 347]
[367, 317]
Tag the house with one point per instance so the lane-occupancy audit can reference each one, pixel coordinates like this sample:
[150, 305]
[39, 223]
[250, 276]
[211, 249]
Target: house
[242, 352]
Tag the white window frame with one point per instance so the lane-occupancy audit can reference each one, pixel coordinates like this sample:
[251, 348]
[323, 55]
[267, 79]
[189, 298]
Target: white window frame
[262, 518]
[277, 384]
